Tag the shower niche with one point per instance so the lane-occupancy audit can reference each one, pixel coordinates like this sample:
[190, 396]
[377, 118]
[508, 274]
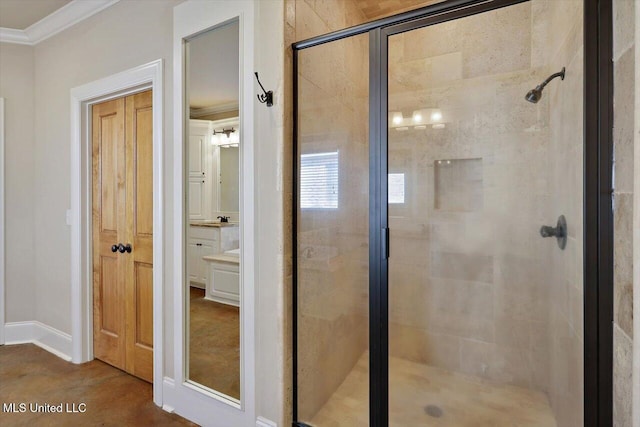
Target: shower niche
[433, 280]
[458, 185]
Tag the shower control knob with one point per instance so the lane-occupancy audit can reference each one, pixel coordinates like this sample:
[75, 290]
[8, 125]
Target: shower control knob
[548, 231]
[559, 231]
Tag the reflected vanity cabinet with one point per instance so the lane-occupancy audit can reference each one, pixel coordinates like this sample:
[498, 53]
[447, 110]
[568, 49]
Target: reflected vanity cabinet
[202, 241]
[200, 169]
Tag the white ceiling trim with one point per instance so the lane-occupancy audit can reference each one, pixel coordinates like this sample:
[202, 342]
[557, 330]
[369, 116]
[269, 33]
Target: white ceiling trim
[63, 18]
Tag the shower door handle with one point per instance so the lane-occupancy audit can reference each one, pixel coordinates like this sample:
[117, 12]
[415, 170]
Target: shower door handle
[385, 243]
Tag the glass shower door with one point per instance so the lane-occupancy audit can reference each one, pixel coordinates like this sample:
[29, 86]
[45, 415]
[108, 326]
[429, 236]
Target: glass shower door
[485, 315]
[332, 233]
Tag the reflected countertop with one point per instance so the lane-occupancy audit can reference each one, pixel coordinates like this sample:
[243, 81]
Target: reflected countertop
[212, 224]
[230, 259]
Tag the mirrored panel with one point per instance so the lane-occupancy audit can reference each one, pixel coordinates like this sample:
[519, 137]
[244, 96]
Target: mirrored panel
[212, 177]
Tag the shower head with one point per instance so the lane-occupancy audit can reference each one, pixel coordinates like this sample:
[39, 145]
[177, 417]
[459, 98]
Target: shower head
[534, 95]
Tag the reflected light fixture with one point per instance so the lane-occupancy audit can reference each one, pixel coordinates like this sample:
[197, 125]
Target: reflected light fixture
[397, 118]
[225, 137]
[436, 116]
[417, 117]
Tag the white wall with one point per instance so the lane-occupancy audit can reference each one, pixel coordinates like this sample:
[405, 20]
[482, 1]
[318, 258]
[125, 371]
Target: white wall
[16, 85]
[272, 389]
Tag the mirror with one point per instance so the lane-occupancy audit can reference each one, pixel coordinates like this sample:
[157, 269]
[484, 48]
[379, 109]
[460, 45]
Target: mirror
[229, 179]
[213, 152]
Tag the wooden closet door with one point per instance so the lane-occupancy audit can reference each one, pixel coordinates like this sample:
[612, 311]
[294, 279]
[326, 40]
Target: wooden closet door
[123, 213]
[109, 228]
[139, 212]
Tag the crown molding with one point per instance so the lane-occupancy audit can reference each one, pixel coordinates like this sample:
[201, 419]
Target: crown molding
[207, 111]
[60, 20]
[9, 35]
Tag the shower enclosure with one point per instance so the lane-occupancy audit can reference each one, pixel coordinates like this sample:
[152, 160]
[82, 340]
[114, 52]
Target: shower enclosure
[451, 224]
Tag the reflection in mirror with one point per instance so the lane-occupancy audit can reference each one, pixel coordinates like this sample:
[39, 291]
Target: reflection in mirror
[213, 146]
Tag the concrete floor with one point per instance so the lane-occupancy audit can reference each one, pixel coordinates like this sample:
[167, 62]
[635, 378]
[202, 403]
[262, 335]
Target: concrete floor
[29, 374]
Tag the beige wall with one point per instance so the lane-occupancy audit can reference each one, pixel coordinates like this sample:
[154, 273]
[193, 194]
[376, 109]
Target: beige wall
[16, 86]
[623, 139]
[126, 35]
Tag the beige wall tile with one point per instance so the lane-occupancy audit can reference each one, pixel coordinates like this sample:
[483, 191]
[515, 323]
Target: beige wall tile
[623, 26]
[623, 104]
[623, 262]
[418, 345]
[622, 384]
[509, 28]
[476, 268]
[432, 41]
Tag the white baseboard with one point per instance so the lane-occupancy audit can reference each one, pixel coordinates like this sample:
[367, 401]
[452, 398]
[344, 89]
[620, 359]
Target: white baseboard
[263, 422]
[168, 388]
[44, 336]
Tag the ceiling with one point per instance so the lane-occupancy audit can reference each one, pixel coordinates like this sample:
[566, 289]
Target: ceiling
[375, 9]
[214, 67]
[20, 14]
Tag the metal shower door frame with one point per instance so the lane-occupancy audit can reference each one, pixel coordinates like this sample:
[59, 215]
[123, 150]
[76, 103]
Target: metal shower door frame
[597, 208]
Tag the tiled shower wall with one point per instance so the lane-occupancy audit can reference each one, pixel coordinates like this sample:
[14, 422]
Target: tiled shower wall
[332, 242]
[623, 136]
[467, 284]
[562, 23]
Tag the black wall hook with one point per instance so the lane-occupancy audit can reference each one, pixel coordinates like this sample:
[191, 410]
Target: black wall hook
[267, 96]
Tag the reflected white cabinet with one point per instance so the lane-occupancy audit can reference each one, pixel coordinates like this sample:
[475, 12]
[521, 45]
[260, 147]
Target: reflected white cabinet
[202, 241]
[223, 284]
[197, 248]
[200, 169]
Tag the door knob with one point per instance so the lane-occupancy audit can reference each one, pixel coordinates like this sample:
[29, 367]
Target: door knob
[122, 248]
[114, 248]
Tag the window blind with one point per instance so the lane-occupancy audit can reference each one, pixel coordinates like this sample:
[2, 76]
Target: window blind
[319, 180]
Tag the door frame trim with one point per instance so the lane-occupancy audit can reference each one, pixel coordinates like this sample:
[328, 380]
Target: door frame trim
[144, 77]
[598, 208]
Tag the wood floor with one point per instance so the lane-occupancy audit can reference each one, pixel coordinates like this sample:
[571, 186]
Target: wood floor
[422, 395]
[214, 344]
[29, 374]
